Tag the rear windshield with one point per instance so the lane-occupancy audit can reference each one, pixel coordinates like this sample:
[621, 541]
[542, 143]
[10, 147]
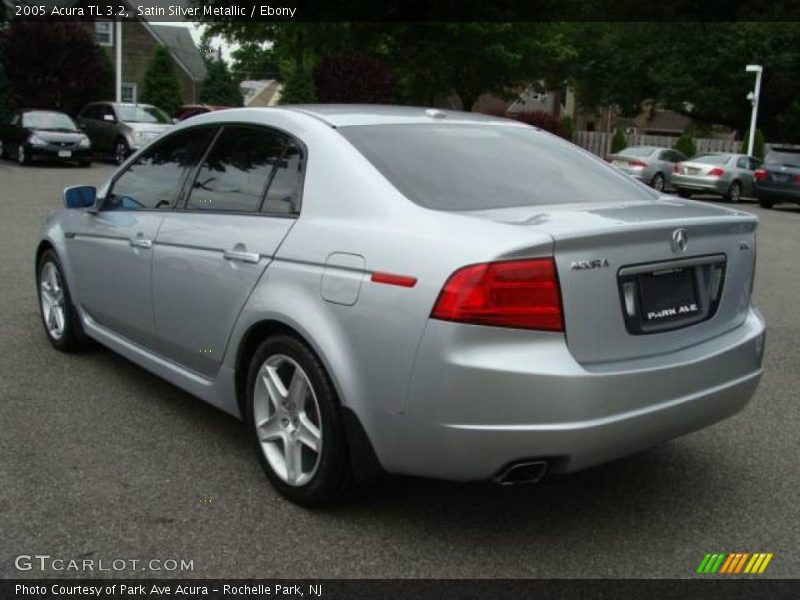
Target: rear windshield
[141, 113]
[711, 159]
[461, 167]
[783, 157]
[638, 151]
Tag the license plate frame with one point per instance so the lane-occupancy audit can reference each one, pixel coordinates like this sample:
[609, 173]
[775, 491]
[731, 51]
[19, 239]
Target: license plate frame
[65, 154]
[668, 295]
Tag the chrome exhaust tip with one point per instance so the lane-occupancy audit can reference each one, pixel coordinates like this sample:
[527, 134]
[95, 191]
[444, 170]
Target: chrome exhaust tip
[530, 471]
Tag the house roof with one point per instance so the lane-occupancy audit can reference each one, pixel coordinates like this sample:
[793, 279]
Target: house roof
[668, 120]
[179, 42]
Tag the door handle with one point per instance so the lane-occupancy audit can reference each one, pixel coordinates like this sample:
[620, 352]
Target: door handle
[241, 255]
[140, 242]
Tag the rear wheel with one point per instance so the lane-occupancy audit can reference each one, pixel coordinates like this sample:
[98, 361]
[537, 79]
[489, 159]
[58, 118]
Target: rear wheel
[684, 193]
[766, 203]
[657, 183]
[59, 317]
[293, 414]
[734, 192]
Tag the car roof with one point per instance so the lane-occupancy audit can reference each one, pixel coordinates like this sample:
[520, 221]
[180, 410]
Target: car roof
[342, 115]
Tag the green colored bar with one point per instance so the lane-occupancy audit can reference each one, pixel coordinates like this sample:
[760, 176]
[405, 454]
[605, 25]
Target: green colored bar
[718, 564]
[703, 563]
[711, 562]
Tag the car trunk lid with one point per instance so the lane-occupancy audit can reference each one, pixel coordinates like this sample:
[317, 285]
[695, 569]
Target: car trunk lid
[642, 279]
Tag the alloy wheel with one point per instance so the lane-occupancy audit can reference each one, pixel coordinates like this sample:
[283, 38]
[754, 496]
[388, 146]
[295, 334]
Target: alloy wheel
[658, 183]
[734, 193]
[51, 295]
[21, 158]
[120, 152]
[287, 419]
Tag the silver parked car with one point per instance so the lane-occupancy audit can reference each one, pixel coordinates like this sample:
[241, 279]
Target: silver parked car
[415, 291]
[727, 175]
[649, 164]
[118, 128]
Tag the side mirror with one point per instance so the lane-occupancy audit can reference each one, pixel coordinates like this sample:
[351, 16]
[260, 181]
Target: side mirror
[80, 196]
[109, 118]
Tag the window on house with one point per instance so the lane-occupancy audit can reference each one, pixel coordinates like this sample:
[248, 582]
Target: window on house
[129, 92]
[104, 33]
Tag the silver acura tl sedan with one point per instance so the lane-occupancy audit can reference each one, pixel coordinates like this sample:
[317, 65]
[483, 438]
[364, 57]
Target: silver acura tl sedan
[384, 289]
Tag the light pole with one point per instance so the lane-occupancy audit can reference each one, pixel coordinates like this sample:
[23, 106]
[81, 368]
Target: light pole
[753, 97]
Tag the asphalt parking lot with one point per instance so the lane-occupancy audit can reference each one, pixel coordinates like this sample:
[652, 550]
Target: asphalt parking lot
[102, 460]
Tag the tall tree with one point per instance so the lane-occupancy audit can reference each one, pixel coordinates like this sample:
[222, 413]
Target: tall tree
[220, 87]
[162, 87]
[54, 65]
[254, 61]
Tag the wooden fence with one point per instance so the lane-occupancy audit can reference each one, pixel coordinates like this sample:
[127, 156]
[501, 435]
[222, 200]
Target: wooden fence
[599, 142]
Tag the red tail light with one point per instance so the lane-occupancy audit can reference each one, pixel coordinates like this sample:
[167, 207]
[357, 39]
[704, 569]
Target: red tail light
[522, 294]
[760, 175]
[716, 172]
[636, 163]
[797, 178]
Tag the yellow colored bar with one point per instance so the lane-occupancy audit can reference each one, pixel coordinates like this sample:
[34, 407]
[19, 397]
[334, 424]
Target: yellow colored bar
[741, 562]
[728, 561]
[753, 564]
[765, 563]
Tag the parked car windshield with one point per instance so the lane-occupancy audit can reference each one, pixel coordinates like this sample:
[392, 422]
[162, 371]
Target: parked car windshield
[788, 158]
[462, 167]
[48, 120]
[637, 151]
[711, 159]
[142, 113]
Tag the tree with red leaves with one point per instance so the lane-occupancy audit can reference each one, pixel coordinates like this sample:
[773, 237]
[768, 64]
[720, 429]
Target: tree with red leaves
[55, 65]
[353, 78]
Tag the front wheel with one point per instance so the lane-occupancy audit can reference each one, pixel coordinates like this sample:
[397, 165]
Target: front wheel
[59, 317]
[734, 192]
[294, 418]
[22, 156]
[684, 193]
[764, 203]
[121, 151]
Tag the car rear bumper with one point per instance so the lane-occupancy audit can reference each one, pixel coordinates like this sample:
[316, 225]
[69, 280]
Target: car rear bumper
[700, 184]
[777, 192]
[477, 405]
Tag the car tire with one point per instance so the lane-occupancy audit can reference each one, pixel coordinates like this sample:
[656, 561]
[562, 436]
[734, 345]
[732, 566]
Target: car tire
[684, 193]
[60, 319]
[2, 150]
[658, 183]
[121, 151]
[734, 192]
[764, 203]
[22, 156]
[291, 407]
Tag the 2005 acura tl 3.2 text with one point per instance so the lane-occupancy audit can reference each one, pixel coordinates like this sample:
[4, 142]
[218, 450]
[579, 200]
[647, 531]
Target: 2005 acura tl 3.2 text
[407, 290]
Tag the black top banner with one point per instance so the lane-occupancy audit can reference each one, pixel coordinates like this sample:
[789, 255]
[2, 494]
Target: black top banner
[404, 10]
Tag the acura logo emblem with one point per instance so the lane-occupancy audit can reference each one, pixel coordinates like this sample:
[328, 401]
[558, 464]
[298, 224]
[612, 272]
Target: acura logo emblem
[680, 239]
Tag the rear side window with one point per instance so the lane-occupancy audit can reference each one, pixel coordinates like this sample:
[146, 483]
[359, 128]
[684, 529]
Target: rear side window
[283, 195]
[154, 180]
[235, 174]
[463, 167]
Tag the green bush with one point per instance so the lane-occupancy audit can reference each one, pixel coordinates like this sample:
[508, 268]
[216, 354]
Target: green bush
[220, 87]
[685, 145]
[299, 87]
[619, 142]
[162, 88]
[758, 144]
[568, 126]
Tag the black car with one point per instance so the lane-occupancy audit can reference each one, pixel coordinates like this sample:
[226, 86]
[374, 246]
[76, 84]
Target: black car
[49, 134]
[778, 179]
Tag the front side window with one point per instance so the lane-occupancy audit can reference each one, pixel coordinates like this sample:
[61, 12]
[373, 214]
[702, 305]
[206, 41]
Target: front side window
[235, 174]
[154, 180]
[464, 167]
